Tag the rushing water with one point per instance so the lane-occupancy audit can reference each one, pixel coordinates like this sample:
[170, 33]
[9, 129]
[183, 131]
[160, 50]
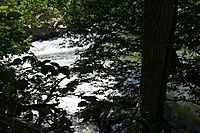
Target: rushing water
[57, 50]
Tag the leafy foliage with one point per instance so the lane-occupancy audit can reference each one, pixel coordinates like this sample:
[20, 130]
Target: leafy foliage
[187, 46]
[113, 30]
[11, 26]
[28, 89]
[27, 85]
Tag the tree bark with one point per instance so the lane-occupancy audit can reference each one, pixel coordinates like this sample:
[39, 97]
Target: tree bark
[159, 23]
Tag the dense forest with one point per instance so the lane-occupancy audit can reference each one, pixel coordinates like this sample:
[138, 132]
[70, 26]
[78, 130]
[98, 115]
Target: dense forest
[147, 51]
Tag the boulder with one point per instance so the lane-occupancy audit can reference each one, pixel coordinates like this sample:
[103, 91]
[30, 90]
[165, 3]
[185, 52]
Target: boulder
[42, 32]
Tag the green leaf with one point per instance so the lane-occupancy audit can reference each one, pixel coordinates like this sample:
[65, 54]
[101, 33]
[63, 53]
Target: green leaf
[9, 121]
[55, 64]
[16, 61]
[21, 84]
[2, 15]
[47, 68]
[89, 98]
[65, 120]
[44, 62]
[15, 15]
[71, 86]
[8, 74]
[1, 1]
[82, 104]
[45, 110]
[64, 70]
[10, 89]
[32, 59]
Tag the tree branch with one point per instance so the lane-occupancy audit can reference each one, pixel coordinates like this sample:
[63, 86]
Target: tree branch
[53, 90]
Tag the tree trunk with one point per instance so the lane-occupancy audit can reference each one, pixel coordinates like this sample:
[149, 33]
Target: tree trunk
[159, 23]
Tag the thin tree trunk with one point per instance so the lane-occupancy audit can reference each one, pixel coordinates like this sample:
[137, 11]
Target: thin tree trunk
[159, 18]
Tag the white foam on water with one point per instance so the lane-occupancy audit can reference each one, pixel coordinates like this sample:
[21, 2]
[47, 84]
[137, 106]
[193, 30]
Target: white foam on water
[57, 50]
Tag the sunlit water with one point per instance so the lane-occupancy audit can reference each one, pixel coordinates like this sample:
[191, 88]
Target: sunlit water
[57, 50]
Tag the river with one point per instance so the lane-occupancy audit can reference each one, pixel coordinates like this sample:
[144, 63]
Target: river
[181, 115]
[57, 50]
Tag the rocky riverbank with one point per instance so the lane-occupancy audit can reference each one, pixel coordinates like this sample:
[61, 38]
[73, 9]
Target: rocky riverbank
[44, 32]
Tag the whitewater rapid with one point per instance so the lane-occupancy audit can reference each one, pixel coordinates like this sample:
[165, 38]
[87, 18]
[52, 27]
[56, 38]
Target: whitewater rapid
[58, 50]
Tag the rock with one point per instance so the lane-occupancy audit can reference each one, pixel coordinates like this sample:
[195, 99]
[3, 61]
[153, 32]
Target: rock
[56, 22]
[41, 33]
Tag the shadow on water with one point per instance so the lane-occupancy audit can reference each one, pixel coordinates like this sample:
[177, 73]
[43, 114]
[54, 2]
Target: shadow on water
[181, 115]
